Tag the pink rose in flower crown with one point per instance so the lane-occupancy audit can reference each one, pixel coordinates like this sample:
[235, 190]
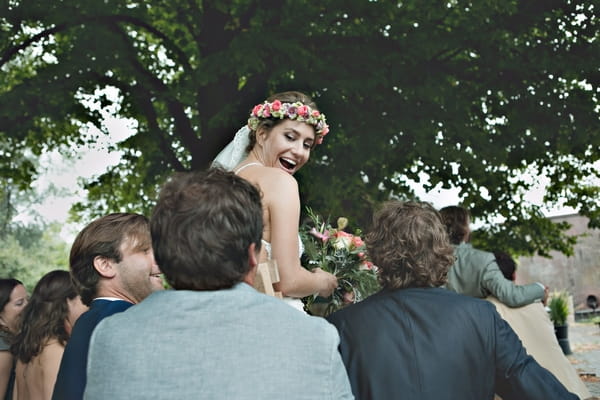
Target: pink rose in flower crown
[323, 128]
[276, 105]
[256, 110]
[266, 111]
[316, 113]
[303, 111]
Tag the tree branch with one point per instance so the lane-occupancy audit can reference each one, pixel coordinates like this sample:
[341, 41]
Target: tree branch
[103, 19]
[142, 98]
[10, 52]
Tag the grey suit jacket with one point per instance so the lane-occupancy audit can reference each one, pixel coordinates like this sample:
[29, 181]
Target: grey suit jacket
[475, 273]
[226, 344]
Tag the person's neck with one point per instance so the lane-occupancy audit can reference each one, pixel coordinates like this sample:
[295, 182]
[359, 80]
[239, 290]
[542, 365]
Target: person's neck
[5, 328]
[254, 157]
[115, 294]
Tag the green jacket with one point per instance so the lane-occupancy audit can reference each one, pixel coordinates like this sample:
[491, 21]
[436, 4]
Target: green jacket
[475, 273]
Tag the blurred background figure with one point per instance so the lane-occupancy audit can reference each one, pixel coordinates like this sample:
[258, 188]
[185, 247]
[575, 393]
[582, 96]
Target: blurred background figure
[475, 272]
[533, 326]
[13, 298]
[46, 324]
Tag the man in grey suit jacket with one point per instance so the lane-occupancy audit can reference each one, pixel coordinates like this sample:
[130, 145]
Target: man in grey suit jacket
[475, 272]
[214, 336]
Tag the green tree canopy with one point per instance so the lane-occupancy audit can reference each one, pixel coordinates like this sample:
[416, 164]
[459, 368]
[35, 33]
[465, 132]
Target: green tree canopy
[470, 93]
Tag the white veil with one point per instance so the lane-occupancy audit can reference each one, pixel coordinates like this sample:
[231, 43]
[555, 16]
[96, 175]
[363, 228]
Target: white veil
[235, 151]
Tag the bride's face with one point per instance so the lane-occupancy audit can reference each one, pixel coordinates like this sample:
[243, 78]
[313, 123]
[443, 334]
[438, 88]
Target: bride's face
[287, 146]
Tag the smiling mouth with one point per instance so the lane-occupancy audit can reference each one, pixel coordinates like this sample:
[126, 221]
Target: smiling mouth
[287, 164]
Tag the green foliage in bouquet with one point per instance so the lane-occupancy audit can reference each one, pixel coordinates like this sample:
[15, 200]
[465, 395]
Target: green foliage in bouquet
[344, 255]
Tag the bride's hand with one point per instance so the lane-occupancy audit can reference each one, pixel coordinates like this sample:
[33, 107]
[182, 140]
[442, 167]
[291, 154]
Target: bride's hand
[328, 282]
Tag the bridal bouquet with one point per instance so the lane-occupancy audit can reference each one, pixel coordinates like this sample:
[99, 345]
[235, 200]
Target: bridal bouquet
[344, 255]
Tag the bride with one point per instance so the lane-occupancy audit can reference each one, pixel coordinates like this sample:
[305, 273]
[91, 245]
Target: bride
[276, 143]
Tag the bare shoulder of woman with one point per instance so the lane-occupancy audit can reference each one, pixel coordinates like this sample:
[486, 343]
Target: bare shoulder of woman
[275, 185]
[278, 179]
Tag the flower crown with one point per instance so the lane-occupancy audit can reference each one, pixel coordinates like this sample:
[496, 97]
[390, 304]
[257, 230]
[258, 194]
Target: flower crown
[298, 111]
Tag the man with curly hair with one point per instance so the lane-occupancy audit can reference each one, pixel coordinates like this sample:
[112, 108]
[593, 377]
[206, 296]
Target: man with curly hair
[417, 340]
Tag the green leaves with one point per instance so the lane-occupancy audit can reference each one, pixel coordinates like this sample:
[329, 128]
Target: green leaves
[472, 95]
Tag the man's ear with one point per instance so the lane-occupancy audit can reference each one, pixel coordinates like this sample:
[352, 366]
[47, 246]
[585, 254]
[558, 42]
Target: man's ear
[104, 266]
[252, 264]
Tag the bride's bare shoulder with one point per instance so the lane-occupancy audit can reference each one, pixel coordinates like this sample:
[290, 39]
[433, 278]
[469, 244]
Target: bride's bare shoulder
[267, 176]
[277, 179]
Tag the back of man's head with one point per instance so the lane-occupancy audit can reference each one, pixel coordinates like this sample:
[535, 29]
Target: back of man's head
[105, 237]
[507, 264]
[456, 221]
[202, 227]
[409, 245]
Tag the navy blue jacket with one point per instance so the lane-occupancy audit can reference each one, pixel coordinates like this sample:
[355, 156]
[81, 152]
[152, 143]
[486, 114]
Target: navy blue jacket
[70, 383]
[434, 344]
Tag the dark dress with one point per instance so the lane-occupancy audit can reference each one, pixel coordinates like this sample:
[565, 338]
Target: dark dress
[5, 346]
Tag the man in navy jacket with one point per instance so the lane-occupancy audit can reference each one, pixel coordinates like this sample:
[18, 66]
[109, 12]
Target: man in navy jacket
[113, 266]
[416, 340]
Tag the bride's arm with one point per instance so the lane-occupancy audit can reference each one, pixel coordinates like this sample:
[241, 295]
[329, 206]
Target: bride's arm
[284, 212]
